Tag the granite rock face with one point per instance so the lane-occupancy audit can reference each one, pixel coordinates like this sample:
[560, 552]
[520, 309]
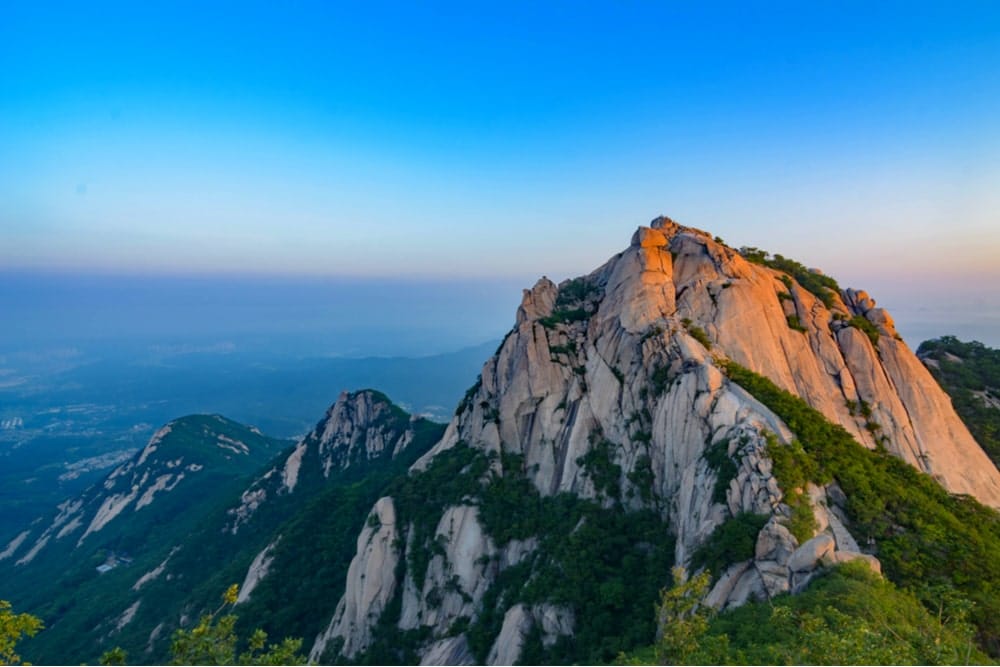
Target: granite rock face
[359, 428]
[630, 352]
[371, 582]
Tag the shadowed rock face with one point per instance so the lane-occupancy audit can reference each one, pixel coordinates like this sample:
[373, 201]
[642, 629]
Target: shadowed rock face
[628, 353]
[359, 428]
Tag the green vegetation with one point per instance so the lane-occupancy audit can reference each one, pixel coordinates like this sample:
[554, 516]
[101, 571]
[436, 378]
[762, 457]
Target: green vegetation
[604, 564]
[660, 379]
[214, 642]
[682, 620]
[574, 303]
[795, 323]
[847, 616]
[970, 373]
[575, 291]
[470, 396]
[927, 540]
[12, 628]
[115, 656]
[564, 316]
[717, 456]
[568, 349]
[422, 499]
[865, 326]
[793, 469]
[598, 464]
[697, 333]
[824, 287]
[859, 407]
[651, 332]
[731, 542]
[642, 478]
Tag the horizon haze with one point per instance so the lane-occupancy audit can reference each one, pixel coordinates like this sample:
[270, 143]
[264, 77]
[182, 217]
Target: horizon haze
[451, 142]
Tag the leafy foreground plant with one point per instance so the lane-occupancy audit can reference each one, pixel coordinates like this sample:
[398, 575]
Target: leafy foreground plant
[12, 628]
[213, 642]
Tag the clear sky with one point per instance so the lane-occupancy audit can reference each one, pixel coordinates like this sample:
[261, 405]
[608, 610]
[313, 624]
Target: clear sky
[423, 140]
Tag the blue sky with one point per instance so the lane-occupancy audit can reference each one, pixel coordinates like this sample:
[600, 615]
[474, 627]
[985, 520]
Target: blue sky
[446, 141]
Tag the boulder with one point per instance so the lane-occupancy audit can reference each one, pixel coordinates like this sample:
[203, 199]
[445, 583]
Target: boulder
[807, 556]
[848, 556]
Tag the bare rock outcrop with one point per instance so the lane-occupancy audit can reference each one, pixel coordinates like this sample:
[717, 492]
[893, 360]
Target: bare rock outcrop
[629, 355]
[359, 428]
[371, 583]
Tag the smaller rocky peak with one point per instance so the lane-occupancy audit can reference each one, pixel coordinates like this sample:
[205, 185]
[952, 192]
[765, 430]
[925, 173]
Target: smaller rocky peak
[353, 411]
[664, 224]
[858, 300]
[538, 301]
[360, 427]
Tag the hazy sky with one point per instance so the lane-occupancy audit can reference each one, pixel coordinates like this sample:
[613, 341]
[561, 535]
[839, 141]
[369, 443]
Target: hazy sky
[456, 140]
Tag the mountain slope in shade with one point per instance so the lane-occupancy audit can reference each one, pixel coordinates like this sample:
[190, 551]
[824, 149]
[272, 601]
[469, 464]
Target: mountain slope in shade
[359, 432]
[277, 528]
[609, 396]
[186, 461]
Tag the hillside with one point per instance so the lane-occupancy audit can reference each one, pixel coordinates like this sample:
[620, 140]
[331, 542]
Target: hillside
[171, 562]
[64, 566]
[970, 373]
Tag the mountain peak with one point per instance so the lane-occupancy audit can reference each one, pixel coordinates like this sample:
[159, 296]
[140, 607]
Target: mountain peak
[615, 388]
[361, 428]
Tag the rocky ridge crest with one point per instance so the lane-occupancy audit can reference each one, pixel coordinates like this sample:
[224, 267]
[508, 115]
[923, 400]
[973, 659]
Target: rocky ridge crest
[358, 429]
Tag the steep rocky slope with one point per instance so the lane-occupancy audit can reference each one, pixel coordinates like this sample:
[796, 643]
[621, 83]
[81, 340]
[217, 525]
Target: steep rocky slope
[189, 458]
[175, 543]
[359, 431]
[609, 397]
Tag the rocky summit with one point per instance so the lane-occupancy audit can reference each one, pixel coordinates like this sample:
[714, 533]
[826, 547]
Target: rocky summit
[614, 388]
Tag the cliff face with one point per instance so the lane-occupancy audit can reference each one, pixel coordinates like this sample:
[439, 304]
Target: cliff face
[622, 364]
